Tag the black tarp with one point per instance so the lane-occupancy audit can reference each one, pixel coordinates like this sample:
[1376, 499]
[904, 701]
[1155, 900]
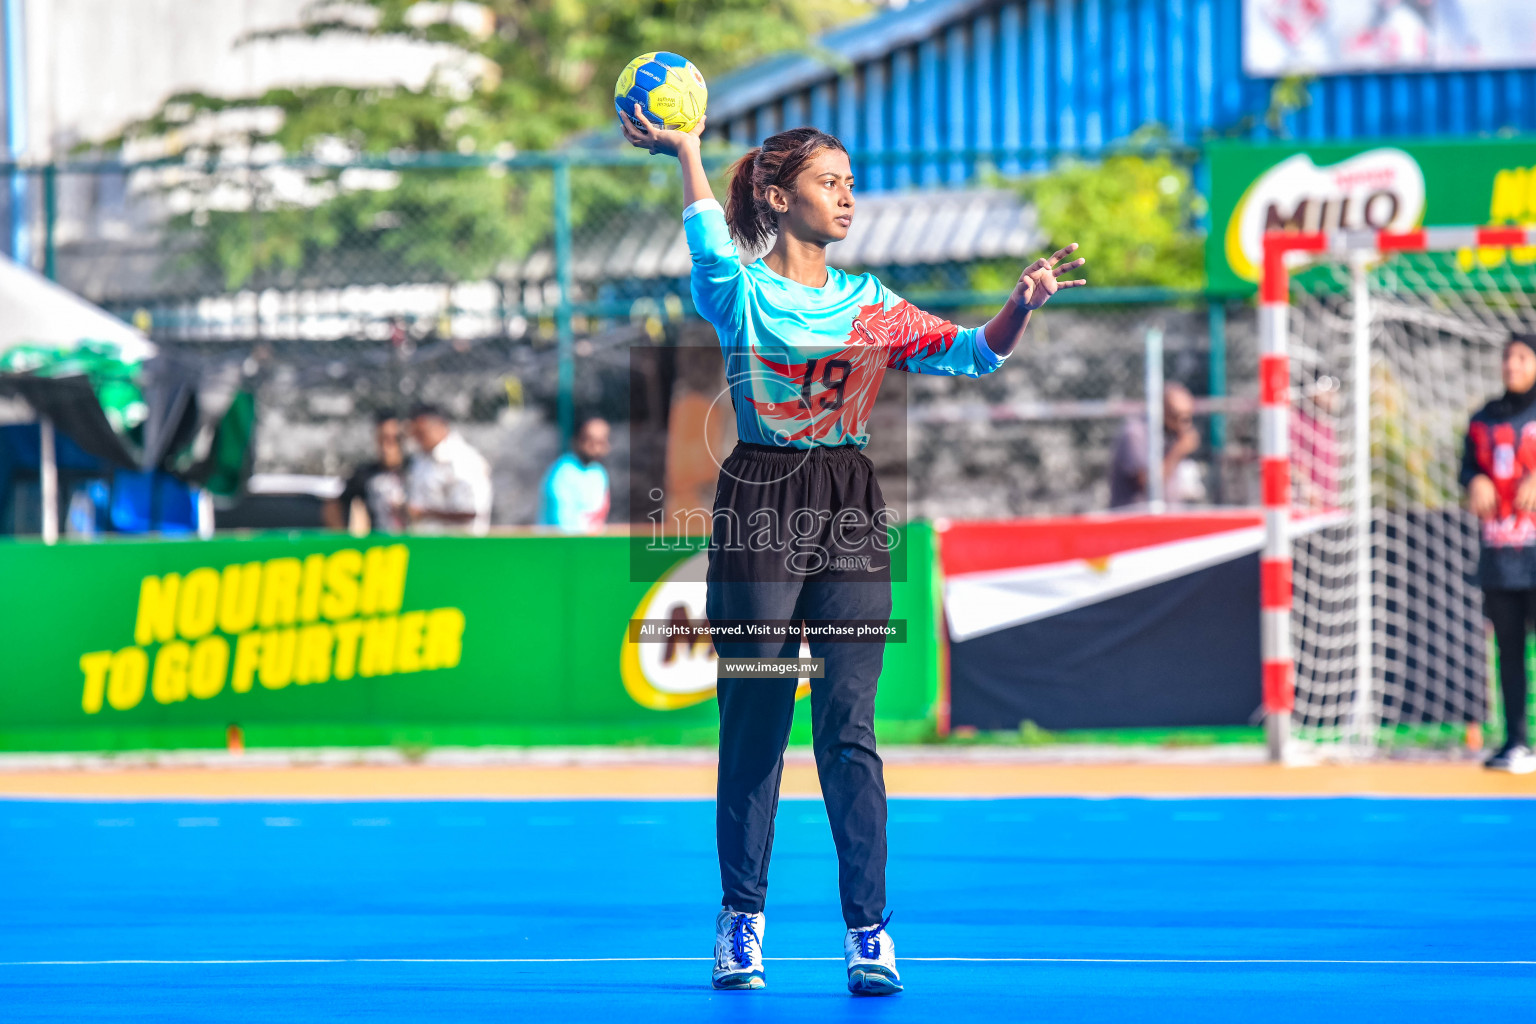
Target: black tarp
[1180, 653]
[198, 427]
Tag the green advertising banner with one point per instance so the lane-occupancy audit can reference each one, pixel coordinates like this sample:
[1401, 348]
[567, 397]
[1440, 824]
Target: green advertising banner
[314, 639]
[1382, 185]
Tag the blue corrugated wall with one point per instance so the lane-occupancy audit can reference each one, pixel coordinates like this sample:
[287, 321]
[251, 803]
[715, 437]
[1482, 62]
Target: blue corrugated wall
[1031, 79]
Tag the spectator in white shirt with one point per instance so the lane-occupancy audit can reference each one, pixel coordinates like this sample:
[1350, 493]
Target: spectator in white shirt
[449, 483]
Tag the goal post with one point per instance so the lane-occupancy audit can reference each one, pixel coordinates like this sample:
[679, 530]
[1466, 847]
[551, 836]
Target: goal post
[1370, 627]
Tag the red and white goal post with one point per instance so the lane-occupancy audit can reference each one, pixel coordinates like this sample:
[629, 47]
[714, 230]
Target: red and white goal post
[1370, 624]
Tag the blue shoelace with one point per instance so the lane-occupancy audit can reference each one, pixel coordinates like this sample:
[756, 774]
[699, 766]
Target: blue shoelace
[869, 941]
[742, 925]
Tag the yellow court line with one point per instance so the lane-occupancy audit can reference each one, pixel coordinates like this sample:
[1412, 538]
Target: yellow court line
[697, 780]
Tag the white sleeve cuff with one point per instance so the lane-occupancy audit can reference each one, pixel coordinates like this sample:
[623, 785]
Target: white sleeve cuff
[700, 206]
[986, 359]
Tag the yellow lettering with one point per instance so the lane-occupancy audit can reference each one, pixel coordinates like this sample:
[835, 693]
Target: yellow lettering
[199, 604]
[169, 683]
[237, 598]
[314, 661]
[210, 660]
[408, 650]
[125, 681]
[95, 666]
[157, 609]
[445, 638]
[347, 634]
[280, 592]
[383, 587]
[277, 650]
[247, 656]
[310, 589]
[378, 657]
[1509, 196]
[341, 572]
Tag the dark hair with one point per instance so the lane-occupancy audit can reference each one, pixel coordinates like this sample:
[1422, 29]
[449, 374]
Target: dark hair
[421, 409]
[1523, 337]
[383, 416]
[778, 161]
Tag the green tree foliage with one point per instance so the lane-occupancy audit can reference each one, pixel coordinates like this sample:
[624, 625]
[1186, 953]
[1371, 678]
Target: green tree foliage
[1132, 214]
[515, 75]
[426, 225]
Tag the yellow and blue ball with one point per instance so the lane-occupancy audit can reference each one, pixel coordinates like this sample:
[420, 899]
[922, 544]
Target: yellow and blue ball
[669, 89]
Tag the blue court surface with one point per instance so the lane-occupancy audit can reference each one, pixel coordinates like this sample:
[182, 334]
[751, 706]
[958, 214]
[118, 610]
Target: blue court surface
[1041, 910]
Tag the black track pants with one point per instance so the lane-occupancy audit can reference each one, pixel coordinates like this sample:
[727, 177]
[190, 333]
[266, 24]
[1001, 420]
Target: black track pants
[1511, 612]
[851, 581]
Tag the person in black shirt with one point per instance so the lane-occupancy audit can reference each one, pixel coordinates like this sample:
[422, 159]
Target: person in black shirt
[380, 485]
[1498, 470]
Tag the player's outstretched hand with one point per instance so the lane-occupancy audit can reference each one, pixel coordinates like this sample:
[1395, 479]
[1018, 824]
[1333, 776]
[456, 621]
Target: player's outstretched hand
[1041, 279]
[665, 141]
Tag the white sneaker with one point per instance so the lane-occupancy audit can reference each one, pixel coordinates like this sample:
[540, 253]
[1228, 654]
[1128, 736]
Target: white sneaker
[871, 956]
[738, 950]
[1515, 758]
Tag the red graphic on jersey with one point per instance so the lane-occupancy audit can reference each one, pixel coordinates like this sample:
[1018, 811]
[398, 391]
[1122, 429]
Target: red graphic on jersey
[838, 389]
[915, 334]
[1506, 463]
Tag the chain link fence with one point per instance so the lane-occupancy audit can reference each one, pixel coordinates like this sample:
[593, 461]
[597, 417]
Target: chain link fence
[510, 292]
[1038, 437]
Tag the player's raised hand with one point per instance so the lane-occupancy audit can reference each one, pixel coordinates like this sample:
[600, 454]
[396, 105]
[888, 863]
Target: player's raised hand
[1041, 279]
[642, 134]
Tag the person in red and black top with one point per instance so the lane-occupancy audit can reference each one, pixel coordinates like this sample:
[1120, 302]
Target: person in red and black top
[1498, 470]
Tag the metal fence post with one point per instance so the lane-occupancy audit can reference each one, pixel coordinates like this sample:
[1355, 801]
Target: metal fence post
[48, 478]
[567, 374]
[1216, 317]
[50, 219]
[13, 66]
[255, 223]
[1156, 484]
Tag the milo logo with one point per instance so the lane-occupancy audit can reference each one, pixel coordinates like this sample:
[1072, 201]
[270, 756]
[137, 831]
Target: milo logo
[1378, 190]
[678, 671]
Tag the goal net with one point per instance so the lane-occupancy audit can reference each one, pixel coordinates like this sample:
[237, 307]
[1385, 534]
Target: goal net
[1389, 352]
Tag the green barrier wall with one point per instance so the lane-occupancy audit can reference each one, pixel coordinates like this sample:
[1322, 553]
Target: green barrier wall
[313, 639]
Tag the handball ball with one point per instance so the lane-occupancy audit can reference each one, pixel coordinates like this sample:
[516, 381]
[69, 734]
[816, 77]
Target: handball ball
[668, 88]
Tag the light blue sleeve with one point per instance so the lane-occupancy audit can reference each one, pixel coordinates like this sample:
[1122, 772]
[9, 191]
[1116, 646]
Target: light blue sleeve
[717, 281]
[924, 343]
[562, 498]
[547, 502]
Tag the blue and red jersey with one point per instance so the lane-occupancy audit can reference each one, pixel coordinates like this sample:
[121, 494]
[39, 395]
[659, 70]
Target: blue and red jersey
[1501, 445]
[804, 364]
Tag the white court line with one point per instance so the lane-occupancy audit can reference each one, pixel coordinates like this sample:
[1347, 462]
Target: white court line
[781, 959]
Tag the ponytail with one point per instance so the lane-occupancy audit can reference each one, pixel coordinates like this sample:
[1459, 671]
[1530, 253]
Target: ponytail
[777, 161]
[750, 223]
